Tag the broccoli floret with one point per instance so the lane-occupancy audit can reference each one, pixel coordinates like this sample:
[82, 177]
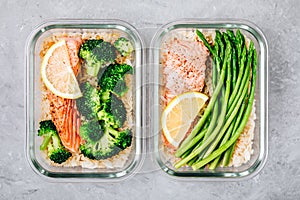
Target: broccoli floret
[112, 79]
[108, 118]
[91, 131]
[110, 144]
[56, 151]
[122, 139]
[104, 96]
[97, 54]
[46, 129]
[124, 46]
[102, 149]
[89, 104]
[105, 52]
[113, 112]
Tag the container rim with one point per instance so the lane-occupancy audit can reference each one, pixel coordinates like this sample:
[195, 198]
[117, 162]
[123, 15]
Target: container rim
[74, 23]
[259, 35]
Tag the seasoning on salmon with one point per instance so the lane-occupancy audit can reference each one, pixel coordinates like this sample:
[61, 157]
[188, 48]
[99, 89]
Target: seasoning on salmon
[184, 67]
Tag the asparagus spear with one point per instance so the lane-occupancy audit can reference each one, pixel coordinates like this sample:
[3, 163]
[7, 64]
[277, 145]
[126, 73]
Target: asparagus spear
[243, 82]
[228, 153]
[216, 69]
[240, 75]
[233, 67]
[202, 37]
[194, 141]
[232, 116]
[228, 84]
[222, 46]
[229, 119]
[240, 42]
[222, 114]
[193, 157]
[244, 121]
[214, 164]
[230, 130]
[191, 162]
[211, 103]
[234, 56]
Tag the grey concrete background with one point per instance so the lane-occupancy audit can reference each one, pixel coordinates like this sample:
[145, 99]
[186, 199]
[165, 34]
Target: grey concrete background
[279, 19]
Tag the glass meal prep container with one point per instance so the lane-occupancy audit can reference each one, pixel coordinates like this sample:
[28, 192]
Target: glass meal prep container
[124, 163]
[185, 30]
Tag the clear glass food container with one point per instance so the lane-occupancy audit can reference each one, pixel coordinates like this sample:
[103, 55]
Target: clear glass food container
[160, 155]
[109, 170]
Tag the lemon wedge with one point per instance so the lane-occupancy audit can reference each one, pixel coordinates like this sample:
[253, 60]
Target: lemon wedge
[57, 72]
[179, 114]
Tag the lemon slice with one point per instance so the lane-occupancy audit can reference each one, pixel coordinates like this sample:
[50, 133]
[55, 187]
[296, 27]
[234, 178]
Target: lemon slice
[57, 72]
[179, 114]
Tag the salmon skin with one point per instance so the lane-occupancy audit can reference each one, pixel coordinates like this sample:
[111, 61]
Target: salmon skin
[63, 111]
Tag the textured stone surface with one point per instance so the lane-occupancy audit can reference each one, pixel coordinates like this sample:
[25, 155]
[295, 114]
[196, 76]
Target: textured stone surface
[279, 19]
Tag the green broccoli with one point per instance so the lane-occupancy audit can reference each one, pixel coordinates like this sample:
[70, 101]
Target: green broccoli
[56, 151]
[112, 79]
[102, 149]
[124, 46]
[91, 131]
[104, 96]
[122, 139]
[46, 129]
[113, 112]
[89, 104]
[97, 54]
[110, 144]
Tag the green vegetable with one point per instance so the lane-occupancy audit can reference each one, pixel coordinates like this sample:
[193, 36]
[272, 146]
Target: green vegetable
[101, 131]
[52, 143]
[46, 129]
[112, 78]
[236, 96]
[229, 62]
[97, 54]
[56, 151]
[122, 139]
[110, 144]
[124, 46]
[113, 112]
[102, 149]
[219, 40]
[233, 41]
[89, 104]
[210, 105]
[211, 137]
[229, 152]
[91, 131]
[214, 164]
[242, 125]
[228, 121]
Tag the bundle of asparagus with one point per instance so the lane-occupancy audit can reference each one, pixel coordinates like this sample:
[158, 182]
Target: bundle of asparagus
[213, 138]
